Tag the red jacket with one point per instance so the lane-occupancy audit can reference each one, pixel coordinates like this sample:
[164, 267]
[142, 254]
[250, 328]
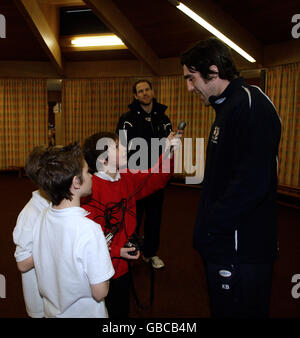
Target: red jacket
[131, 187]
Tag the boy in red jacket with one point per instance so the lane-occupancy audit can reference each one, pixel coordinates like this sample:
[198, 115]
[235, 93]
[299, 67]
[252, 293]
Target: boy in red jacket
[113, 205]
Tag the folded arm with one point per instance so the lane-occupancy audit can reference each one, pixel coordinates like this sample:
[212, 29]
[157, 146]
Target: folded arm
[26, 265]
[100, 290]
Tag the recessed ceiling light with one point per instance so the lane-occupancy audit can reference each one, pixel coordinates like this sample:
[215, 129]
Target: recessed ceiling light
[100, 40]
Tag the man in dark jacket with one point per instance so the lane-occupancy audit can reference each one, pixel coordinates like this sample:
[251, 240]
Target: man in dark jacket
[146, 119]
[236, 225]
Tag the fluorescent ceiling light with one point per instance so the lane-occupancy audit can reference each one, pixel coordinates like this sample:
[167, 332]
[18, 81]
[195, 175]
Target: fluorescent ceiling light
[101, 40]
[78, 10]
[214, 31]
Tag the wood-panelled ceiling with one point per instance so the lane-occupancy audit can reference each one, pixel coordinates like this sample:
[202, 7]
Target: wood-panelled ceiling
[269, 21]
[152, 30]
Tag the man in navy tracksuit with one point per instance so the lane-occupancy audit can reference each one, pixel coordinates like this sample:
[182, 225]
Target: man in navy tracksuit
[147, 119]
[236, 226]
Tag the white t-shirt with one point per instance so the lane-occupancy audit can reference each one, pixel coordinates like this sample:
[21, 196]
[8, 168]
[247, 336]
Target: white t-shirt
[69, 254]
[22, 235]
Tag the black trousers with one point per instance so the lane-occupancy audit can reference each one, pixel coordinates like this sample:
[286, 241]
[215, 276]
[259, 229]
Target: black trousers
[152, 207]
[118, 298]
[239, 290]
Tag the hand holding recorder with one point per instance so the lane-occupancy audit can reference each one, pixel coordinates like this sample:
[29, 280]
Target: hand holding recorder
[174, 138]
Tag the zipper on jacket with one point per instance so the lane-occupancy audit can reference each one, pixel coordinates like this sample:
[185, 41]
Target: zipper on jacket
[152, 127]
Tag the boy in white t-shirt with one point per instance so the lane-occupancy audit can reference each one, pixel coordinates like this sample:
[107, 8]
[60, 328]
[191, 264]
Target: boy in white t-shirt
[70, 254]
[23, 233]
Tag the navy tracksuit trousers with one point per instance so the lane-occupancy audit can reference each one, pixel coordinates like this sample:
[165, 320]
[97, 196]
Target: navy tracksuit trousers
[239, 290]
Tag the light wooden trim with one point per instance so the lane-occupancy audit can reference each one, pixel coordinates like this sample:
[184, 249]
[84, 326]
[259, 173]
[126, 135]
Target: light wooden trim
[34, 15]
[115, 20]
[27, 69]
[282, 53]
[62, 3]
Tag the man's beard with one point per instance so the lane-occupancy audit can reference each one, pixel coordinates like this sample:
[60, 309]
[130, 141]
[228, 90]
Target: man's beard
[145, 103]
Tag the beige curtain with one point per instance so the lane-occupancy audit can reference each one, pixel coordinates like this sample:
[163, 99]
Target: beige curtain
[92, 105]
[283, 88]
[172, 91]
[23, 119]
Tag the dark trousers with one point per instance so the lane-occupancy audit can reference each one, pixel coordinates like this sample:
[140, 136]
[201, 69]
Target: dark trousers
[239, 290]
[117, 300]
[152, 207]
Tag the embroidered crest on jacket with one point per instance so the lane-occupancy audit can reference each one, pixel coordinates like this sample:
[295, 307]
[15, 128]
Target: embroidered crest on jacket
[215, 135]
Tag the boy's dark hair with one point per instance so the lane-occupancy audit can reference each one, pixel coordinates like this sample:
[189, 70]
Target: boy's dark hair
[32, 164]
[140, 81]
[90, 151]
[58, 166]
[207, 53]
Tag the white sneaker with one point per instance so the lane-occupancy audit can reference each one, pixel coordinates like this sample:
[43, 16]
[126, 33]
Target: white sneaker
[156, 262]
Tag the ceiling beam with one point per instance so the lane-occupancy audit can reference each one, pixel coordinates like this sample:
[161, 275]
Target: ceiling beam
[115, 20]
[282, 53]
[213, 14]
[37, 21]
[62, 3]
[27, 69]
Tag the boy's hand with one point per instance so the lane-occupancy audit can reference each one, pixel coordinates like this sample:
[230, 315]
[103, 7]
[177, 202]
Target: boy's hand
[174, 140]
[174, 134]
[124, 253]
